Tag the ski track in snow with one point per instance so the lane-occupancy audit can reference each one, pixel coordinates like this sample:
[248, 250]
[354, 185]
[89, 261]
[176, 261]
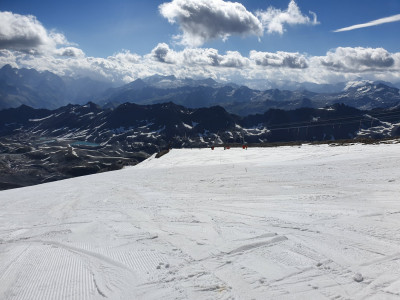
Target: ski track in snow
[309, 222]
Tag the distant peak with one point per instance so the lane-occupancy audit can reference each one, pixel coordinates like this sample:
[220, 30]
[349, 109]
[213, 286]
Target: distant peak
[208, 80]
[7, 67]
[138, 83]
[157, 78]
[357, 84]
[91, 105]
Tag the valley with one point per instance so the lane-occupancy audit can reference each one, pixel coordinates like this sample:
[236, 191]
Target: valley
[29, 160]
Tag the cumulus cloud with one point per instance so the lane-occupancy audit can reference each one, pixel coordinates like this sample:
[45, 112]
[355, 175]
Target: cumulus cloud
[70, 52]
[198, 57]
[274, 19]
[127, 57]
[8, 57]
[395, 18]
[26, 33]
[341, 64]
[162, 53]
[234, 59]
[204, 20]
[279, 59]
[358, 59]
[25, 43]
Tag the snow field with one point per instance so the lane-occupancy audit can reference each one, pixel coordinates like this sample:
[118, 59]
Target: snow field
[308, 222]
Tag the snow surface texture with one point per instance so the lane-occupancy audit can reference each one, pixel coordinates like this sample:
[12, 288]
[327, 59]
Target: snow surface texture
[309, 222]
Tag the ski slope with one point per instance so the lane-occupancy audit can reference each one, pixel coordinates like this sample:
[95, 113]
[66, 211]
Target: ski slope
[304, 222]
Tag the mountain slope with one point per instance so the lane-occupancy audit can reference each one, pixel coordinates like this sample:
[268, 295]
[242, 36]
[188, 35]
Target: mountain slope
[151, 127]
[307, 222]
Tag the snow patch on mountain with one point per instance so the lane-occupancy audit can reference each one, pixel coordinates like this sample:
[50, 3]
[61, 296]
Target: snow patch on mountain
[357, 84]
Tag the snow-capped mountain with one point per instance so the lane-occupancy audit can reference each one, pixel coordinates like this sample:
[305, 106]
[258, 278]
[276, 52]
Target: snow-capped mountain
[243, 100]
[47, 90]
[187, 92]
[373, 94]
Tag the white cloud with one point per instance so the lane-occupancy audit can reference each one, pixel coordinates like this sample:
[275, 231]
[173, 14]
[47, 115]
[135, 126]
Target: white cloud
[274, 19]
[126, 57]
[69, 52]
[359, 59]
[395, 18]
[279, 59]
[341, 64]
[8, 57]
[204, 20]
[234, 59]
[25, 43]
[26, 33]
[164, 54]
[198, 57]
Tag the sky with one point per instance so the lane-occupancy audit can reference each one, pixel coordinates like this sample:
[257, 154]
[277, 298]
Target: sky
[316, 41]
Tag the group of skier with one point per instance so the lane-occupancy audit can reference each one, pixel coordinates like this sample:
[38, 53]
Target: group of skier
[244, 147]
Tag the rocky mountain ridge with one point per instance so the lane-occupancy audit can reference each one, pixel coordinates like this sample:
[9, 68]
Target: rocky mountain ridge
[149, 127]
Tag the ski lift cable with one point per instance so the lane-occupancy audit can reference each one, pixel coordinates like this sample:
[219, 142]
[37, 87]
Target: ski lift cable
[338, 119]
[383, 115]
[322, 124]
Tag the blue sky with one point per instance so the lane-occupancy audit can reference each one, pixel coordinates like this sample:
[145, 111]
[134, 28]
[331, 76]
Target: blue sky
[104, 28]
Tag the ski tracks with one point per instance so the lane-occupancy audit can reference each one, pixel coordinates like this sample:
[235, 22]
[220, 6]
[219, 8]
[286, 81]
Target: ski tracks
[54, 270]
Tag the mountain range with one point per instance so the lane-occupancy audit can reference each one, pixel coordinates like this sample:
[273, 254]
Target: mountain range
[242, 100]
[45, 89]
[149, 128]
[50, 91]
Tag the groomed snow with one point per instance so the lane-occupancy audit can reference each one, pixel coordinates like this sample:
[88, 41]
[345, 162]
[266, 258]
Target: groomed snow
[309, 222]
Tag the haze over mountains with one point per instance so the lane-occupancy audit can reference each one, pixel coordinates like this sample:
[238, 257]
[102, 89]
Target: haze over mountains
[47, 90]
